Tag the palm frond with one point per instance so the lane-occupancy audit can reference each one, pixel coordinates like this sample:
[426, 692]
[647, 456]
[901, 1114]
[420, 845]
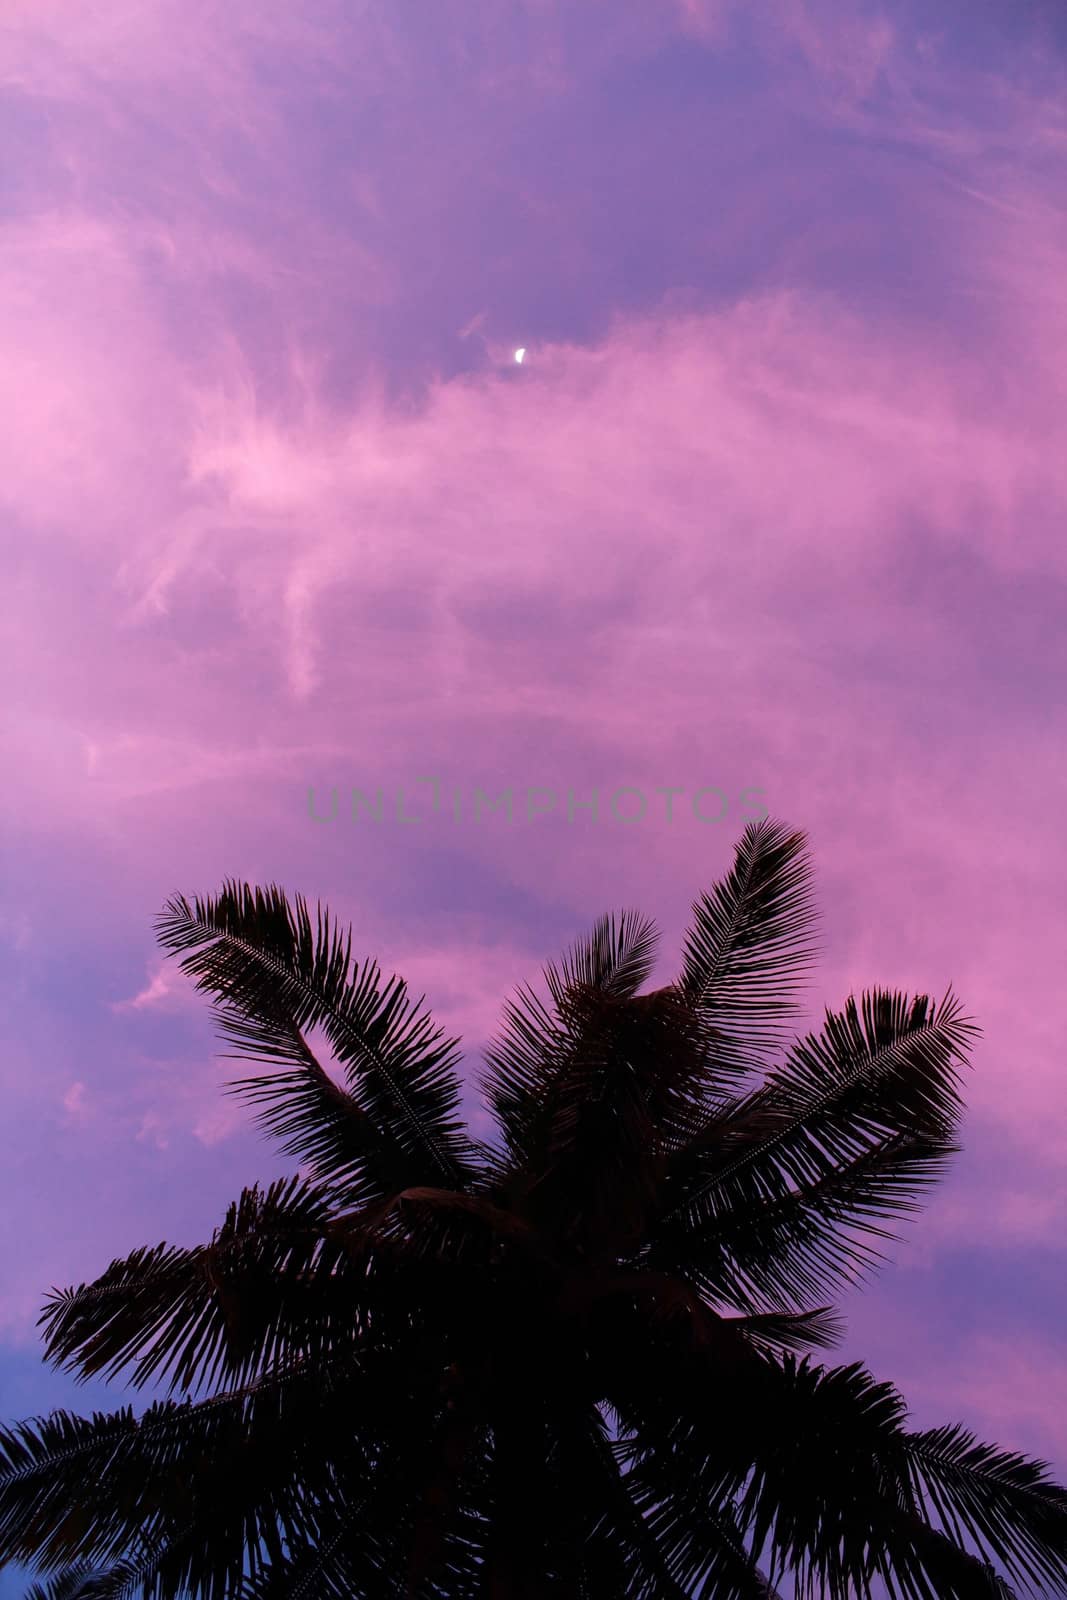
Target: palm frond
[858, 1122]
[779, 1331]
[750, 947]
[925, 1564]
[708, 1548]
[234, 1469]
[1002, 1501]
[537, 1042]
[840, 1488]
[134, 1576]
[817, 1235]
[76, 1583]
[615, 958]
[280, 1280]
[609, 1089]
[273, 975]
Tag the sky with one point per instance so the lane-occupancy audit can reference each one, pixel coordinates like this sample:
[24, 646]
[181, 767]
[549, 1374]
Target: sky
[771, 513]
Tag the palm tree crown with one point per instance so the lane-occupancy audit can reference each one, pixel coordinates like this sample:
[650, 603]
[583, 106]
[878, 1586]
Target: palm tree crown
[571, 1362]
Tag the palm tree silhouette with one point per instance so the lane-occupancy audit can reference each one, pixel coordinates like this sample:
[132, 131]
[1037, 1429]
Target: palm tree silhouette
[572, 1362]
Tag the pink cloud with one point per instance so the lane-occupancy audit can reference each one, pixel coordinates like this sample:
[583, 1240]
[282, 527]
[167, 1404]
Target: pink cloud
[150, 1129]
[74, 1100]
[704, 458]
[790, 534]
[1015, 1388]
[161, 986]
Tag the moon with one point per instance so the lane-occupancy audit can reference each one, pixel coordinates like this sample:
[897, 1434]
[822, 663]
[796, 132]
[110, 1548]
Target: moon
[520, 355]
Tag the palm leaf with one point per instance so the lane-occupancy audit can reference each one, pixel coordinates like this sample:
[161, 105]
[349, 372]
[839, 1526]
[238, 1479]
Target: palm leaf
[829, 1487]
[839, 1487]
[537, 1043]
[750, 947]
[767, 1201]
[227, 1474]
[280, 1280]
[806, 1242]
[777, 1331]
[1001, 1501]
[619, 1085]
[615, 958]
[76, 1583]
[273, 976]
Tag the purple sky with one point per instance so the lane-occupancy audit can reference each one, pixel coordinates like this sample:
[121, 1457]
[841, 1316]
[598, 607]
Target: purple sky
[776, 500]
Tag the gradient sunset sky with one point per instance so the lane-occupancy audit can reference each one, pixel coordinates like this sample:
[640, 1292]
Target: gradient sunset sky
[776, 500]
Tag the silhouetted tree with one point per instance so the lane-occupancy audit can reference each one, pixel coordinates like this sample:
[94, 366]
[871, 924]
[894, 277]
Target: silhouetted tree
[570, 1362]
